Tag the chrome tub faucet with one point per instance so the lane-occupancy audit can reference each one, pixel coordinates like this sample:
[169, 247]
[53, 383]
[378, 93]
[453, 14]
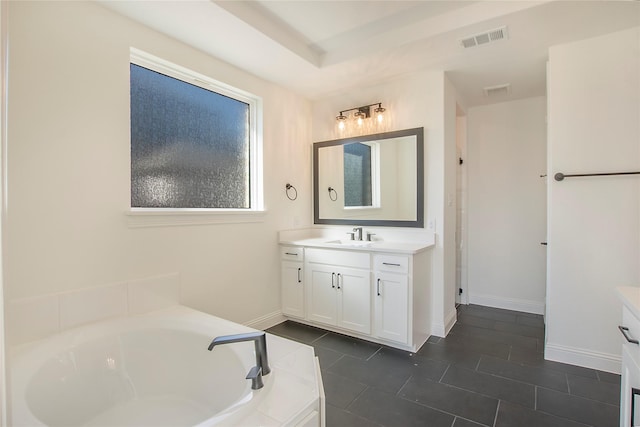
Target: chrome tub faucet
[262, 363]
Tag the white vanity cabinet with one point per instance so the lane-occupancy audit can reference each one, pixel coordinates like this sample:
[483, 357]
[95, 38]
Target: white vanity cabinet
[391, 297]
[630, 378]
[379, 292]
[339, 289]
[292, 281]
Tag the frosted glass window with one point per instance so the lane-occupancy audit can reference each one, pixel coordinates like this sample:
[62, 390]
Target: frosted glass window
[357, 175]
[189, 145]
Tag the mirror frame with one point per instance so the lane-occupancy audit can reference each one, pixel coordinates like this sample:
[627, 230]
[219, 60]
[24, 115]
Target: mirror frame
[419, 221]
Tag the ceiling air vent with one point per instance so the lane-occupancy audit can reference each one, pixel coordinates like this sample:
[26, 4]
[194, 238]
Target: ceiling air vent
[491, 91]
[485, 37]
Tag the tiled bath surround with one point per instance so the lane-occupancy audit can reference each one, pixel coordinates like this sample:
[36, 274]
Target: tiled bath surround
[39, 317]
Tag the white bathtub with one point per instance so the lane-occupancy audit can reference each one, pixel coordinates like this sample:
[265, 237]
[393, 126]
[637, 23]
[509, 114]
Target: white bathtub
[155, 370]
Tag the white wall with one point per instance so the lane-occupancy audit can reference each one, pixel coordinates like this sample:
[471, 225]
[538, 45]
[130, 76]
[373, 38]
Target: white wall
[594, 126]
[507, 205]
[68, 169]
[416, 100]
[3, 129]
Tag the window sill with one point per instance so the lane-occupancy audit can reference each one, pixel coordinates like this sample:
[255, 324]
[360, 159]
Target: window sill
[141, 217]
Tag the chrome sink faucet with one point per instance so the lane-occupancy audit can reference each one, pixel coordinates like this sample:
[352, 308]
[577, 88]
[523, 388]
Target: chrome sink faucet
[262, 363]
[358, 233]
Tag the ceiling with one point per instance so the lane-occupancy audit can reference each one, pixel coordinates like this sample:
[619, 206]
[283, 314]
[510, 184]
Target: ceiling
[320, 48]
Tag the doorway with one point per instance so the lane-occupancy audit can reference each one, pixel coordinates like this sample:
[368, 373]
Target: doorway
[462, 296]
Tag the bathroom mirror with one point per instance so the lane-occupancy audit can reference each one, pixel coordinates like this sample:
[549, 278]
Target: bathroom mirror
[371, 180]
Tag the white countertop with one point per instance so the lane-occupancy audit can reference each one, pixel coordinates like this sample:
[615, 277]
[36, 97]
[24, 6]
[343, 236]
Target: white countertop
[630, 297]
[375, 246]
[405, 241]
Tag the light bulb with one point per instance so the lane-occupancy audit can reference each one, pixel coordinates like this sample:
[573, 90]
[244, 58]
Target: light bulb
[379, 111]
[359, 121]
[341, 124]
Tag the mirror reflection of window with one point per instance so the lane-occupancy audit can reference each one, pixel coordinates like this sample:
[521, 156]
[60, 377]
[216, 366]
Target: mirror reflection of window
[357, 175]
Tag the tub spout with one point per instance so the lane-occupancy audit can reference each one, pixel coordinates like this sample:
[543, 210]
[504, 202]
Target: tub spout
[260, 341]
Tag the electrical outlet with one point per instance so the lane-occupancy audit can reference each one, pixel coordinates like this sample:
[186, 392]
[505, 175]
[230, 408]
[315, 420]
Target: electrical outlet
[431, 225]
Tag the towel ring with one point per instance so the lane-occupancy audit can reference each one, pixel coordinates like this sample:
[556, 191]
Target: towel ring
[333, 197]
[289, 187]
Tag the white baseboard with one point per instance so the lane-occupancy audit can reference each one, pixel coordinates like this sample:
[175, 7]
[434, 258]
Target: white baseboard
[582, 357]
[515, 304]
[266, 321]
[440, 329]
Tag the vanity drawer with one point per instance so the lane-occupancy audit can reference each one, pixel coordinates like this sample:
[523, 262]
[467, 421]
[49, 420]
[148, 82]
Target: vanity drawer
[339, 258]
[391, 263]
[292, 253]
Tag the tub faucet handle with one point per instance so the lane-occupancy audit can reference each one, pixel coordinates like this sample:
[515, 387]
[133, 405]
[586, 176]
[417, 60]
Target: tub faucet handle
[255, 375]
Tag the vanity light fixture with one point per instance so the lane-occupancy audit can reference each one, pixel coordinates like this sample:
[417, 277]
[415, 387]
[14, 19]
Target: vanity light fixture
[361, 113]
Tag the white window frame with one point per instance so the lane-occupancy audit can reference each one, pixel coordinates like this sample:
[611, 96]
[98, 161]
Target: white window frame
[153, 217]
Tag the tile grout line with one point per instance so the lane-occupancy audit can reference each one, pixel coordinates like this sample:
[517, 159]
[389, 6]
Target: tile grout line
[336, 361]
[495, 420]
[444, 411]
[444, 373]
[346, 408]
[405, 383]
[320, 337]
[577, 396]
[374, 353]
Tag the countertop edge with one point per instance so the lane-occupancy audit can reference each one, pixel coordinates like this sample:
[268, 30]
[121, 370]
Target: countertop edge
[410, 248]
[630, 297]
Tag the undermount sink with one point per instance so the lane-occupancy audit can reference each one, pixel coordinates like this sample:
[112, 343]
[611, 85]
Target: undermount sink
[347, 242]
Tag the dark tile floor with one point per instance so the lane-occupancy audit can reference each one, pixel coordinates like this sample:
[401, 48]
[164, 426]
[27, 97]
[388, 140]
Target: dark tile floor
[489, 371]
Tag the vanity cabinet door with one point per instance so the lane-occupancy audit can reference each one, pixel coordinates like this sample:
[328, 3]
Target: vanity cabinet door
[339, 297]
[321, 294]
[354, 299]
[630, 389]
[391, 300]
[292, 289]
[630, 379]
